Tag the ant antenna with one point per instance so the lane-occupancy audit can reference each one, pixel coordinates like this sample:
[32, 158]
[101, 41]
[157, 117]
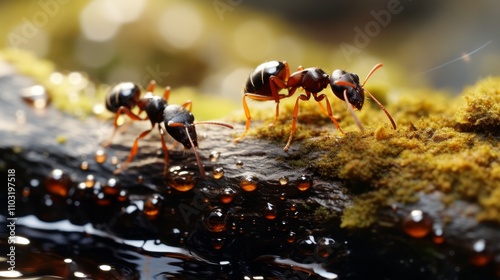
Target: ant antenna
[200, 165]
[377, 66]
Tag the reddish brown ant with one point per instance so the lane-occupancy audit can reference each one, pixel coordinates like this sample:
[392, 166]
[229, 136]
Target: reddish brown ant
[178, 119]
[267, 79]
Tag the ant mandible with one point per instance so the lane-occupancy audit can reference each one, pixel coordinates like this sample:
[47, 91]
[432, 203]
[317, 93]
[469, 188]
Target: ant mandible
[268, 78]
[178, 119]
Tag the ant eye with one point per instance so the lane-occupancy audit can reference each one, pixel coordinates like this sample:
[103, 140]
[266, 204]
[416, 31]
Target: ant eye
[356, 78]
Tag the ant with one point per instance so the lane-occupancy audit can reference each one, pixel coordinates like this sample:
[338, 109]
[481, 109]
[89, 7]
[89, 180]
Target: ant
[178, 119]
[270, 77]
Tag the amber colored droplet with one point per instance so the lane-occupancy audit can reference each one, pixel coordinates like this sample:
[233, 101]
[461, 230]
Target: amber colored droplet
[227, 195]
[36, 96]
[304, 182]
[249, 184]
[84, 165]
[114, 160]
[239, 163]
[58, 182]
[152, 206]
[214, 156]
[283, 181]
[182, 181]
[89, 181]
[306, 246]
[437, 236]
[282, 196]
[218, 173]
[26, 192]
[140, 179]
[217, 243]
[270, 212]
[111, 187]
[101, 199]
[122, 196]
[292, 236]
[216, 220]
[480, 256]
[417, 224]
[293, 207]
[324, 248]
[100, 156]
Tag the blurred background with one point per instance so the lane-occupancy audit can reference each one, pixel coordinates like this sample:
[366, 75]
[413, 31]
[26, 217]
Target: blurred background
[214, 45]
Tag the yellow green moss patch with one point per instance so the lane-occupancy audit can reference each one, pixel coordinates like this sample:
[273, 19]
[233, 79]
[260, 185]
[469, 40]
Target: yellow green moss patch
[441, 144]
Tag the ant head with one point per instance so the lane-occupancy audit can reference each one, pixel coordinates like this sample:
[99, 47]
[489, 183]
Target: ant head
[123, 94]
[341, 81]
[179, 123]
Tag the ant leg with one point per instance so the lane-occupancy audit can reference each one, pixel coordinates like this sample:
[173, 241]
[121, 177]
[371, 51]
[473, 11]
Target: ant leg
[188, 105]
[249, 118]
[329, 110]
[276, 84]
[165, 150]
[133, 150]
[115, 123]
[349, 106]
[294, 118]
[166, 94]
[247, 111]
[151, 86]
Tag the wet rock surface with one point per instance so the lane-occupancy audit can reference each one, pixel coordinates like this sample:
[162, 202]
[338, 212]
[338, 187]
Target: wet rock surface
[257, 212]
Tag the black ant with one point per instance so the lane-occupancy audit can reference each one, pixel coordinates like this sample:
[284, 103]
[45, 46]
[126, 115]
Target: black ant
[270, 77]
[178, 119]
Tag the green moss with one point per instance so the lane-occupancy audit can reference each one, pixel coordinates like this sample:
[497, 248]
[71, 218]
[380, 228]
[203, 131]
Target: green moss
[444, 144]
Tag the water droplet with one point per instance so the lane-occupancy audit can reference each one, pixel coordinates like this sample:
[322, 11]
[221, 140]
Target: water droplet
[181, 180]
[58, 182]
[217, 243]
[304, 182]
[152, 205]
[214, 156]
[114, 160]
[306, 246]
[480, 257]
[216, 220]
[112, 187]
[101, 199]
[36, 96]
[227, 195]
[324, 247]
[417, 224]
[100, 156]
[292, 236]
[89, 181]
[437, 236]
[282, 196]
[26, 192]
[283, 181]
[122, 196]
[270, 212]
[84, 165]
[140, 179]
[249, 183]
[218, 172]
